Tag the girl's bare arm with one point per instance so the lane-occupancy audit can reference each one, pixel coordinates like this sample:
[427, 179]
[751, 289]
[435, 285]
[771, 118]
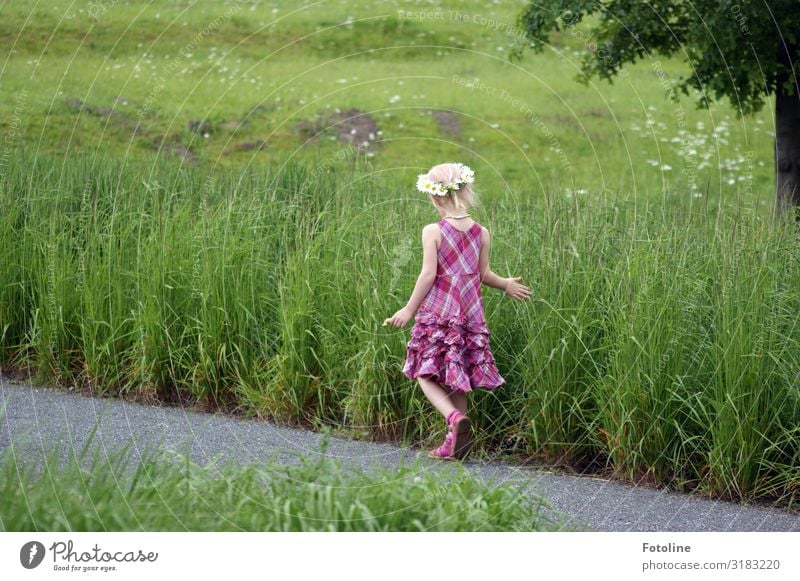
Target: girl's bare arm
[427, 276]
[425, 280]
[510, 285]
[490, 279]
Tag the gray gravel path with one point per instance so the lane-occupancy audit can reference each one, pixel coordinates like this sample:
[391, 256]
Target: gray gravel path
[38, 416]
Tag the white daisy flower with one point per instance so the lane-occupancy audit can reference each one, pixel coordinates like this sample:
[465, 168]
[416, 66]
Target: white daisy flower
[428, 186]
[467, 175]
[423, 183]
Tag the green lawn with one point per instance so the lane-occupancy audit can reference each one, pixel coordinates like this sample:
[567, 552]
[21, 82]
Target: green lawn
[276, 72]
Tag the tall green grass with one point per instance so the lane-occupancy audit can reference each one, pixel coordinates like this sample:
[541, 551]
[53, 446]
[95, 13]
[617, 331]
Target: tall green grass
[661, 341]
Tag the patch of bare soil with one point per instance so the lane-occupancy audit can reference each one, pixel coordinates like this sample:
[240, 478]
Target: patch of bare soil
[448, 121]
[172, 145]
[353, 126]
[116, 117]
[257, 145]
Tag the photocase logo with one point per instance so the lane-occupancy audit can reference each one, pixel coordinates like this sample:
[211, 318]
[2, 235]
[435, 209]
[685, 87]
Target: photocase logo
[31, 554]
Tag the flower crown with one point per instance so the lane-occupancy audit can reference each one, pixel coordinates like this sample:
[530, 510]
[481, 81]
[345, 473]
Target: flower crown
[428, 186]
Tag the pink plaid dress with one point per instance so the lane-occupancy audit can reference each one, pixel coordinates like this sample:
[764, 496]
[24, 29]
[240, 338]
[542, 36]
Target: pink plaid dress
[450, 340]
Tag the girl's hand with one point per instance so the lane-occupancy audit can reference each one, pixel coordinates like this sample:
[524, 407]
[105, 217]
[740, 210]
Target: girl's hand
[400, 318]
[517, 291]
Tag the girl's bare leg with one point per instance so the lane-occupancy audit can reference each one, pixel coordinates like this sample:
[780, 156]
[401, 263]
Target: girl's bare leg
[459, 399]
[437, 395]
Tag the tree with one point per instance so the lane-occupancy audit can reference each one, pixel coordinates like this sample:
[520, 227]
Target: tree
[745, 50]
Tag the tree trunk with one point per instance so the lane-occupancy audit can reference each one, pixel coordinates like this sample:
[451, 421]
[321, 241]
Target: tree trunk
[787, 136]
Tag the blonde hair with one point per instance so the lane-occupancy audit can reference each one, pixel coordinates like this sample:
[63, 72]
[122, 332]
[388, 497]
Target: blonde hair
[447, 174]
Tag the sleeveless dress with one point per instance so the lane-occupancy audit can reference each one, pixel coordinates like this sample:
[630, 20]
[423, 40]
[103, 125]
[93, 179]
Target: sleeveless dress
[450, 340]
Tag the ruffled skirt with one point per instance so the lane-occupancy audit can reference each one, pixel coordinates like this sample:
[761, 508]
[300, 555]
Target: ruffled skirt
[451, 351]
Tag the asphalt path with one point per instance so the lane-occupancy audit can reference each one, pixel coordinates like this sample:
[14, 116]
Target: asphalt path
[36, 418]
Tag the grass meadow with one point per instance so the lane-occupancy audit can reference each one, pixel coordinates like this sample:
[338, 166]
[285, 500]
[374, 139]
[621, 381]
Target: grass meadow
[217, 209]
[206, 82]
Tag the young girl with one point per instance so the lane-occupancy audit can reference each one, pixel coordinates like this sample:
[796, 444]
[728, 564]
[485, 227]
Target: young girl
[449, 352]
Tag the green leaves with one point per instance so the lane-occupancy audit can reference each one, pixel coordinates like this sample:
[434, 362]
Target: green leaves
[732, 48]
